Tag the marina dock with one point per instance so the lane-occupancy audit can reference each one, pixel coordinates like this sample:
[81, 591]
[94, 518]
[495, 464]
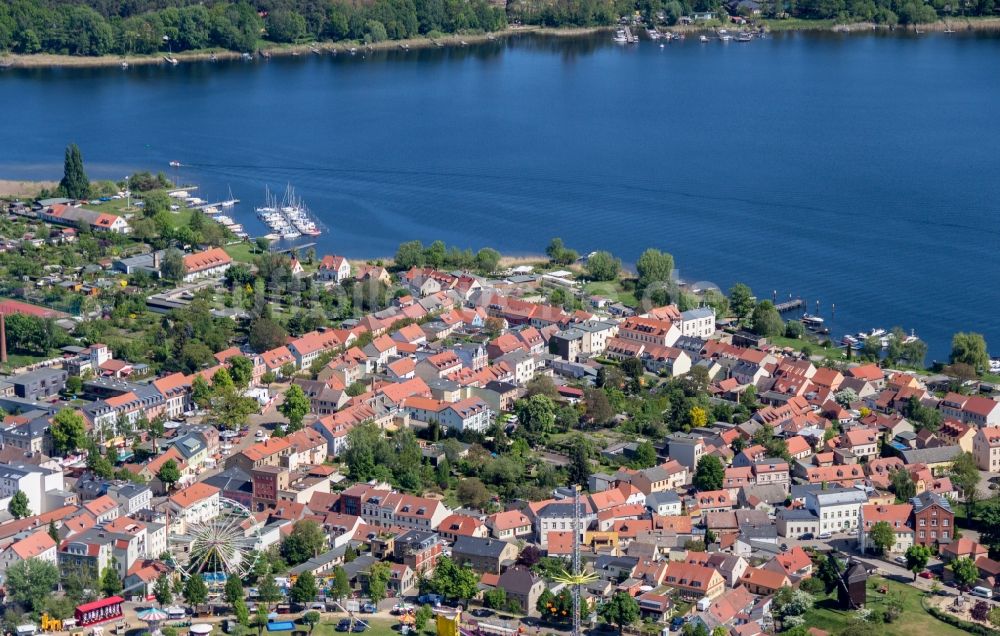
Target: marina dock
[228, 203]
[790, 305]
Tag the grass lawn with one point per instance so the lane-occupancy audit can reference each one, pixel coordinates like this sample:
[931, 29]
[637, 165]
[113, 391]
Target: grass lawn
[612, 290]
[832, 352]
[242, 252]
[16, 360]
[913, 620]
[797, 24]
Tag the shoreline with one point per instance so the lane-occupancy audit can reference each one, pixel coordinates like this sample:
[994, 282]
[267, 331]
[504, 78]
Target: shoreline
[49, 60]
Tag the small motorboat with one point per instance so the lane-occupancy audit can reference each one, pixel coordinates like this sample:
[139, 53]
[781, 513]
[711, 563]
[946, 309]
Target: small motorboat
[703, 38]
[175, 164]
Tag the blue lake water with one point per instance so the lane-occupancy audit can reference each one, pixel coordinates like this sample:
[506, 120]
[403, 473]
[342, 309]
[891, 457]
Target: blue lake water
[858, 170]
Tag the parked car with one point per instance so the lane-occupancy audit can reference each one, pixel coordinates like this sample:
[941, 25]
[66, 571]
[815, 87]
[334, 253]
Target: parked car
[807, 536]
[900, 560]
[676, 623]
[359, 627]
[824, 536]
[344, 625]
[369, 608]
[926, 574]
[430, 599]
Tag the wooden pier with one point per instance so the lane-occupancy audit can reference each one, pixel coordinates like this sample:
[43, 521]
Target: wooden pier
[217, 204]
[790, 305]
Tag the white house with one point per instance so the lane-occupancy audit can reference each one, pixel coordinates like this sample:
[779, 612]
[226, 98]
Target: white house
[197, 503]
[211, 263]
[33, 481]
[37, 545]
[838, 509]
[468, 414]
[334, 268]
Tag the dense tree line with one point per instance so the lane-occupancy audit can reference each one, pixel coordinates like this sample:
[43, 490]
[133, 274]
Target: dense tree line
[101, 27]
[96, 27]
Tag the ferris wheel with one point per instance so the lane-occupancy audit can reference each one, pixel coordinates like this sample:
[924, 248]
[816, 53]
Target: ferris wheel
[217, 548]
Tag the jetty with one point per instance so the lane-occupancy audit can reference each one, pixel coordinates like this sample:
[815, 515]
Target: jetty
[790, 305]
[218, 204]
[630, 37]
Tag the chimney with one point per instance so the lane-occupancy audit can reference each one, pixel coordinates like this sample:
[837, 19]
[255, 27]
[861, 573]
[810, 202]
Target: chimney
[3, 340]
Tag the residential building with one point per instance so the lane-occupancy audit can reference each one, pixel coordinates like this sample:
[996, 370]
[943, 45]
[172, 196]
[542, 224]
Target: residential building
[933, 519]
[986, 448]
[522, 586]
[896, 515]
[211, 263]
[484, 555]
[838, 509]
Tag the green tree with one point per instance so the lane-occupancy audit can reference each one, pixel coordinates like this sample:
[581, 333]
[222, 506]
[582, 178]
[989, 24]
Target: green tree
[536, 415]
[260, 619]
[74, 184]
[266, 334]
[970, 348]
[742, 303]
[410, 255]
[68, 431]
[621, 610]
[172, 266]
[654, 267]
[472, 492]
[195, 591]
[965, 475]
[965, 571]
[709, 474]
[598, 407]
[31, 581]
[903, 485]
[487, 260]
[169, 473]
[284, 25]
[241, 371]
[559, 253]
[645, 456]
[201, 392]
[233, 589]
[603, 266]
[311, 618]
[882, 536]
[74, 384]
[111, 583]
[453, 581]
[341, 586]
[241, 612]
[19, 505]
[766, 321]
[424, 614]
[304, 590]
[305, 541]
[53, 533]
[295, 407]
[161, 590]
[231, 408]
[378, 580]
[495, 598]
[267, 591]
[989, 525]
[578, 472]
[916, 558]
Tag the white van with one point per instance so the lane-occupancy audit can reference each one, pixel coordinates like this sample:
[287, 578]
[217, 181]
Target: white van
[981, 591]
